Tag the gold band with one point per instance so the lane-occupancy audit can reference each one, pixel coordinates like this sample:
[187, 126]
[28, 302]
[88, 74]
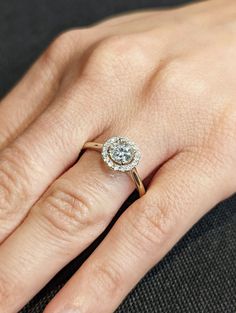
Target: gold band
[133, 173]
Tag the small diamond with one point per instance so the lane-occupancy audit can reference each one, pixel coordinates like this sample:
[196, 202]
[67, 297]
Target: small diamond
[116, 167]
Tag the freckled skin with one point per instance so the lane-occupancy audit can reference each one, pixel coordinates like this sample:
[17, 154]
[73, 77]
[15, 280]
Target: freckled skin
[165, 80]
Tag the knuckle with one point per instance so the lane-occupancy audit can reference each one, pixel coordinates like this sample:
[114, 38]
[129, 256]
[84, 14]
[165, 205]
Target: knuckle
[66, 210]
[113, 47]
[170, 76]
[154, 221]
[60, 50]
[168, 79]
[60, 43]
[108, 278]
[13, 183]
[117, 56]
[175, 78]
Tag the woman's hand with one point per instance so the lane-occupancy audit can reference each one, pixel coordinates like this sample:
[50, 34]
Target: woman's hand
[166, 80]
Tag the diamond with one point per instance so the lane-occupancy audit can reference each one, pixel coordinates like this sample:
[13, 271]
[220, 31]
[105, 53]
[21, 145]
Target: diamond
[120, 154]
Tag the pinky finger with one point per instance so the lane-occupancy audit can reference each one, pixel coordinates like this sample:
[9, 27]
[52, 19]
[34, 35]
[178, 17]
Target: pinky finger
[183, 190]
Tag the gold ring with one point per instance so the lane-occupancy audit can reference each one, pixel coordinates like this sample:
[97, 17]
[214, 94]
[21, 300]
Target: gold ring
[120, 154]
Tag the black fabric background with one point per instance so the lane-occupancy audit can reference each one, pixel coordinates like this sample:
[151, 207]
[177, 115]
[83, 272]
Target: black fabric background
[199, 274]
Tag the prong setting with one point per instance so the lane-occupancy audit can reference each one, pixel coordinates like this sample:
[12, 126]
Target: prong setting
[120, 154]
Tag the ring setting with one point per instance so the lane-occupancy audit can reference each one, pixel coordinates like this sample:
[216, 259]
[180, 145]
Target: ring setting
[120, 154]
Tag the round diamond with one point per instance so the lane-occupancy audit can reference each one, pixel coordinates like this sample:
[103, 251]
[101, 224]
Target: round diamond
[120, 154]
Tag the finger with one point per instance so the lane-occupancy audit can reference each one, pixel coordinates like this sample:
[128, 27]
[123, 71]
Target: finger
[36, 89]
[47, 147]
[181, 192]
[32, 162]
[73, 212]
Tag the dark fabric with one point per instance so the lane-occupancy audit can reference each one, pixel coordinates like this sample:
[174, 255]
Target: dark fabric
[199, 274]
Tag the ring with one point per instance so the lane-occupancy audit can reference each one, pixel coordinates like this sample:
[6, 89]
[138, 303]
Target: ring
[120, 154]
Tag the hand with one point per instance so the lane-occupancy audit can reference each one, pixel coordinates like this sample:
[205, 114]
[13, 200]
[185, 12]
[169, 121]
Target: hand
[164, 79]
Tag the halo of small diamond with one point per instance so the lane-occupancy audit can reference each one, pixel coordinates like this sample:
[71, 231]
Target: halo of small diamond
[120, 154]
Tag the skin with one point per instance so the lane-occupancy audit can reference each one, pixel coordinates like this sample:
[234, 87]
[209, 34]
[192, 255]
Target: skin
[164, 79]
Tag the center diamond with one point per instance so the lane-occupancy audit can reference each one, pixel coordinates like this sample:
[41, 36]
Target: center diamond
[121, 152]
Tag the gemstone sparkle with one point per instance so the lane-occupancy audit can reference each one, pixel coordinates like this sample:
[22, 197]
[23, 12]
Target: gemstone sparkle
[120, 154]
